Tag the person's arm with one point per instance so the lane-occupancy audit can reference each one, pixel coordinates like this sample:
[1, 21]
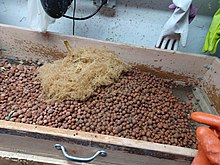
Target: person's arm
[213, 35]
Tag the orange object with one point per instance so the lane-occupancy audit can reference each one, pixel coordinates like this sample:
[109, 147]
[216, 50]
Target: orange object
[205, 118]
[217, 133]
[209, 143]
[200, 158]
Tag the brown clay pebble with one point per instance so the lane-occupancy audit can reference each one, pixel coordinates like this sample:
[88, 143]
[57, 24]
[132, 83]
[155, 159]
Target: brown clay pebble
[29, 114]
[139, 106]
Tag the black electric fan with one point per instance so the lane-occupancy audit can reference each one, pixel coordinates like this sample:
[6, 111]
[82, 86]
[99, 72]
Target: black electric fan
[56, 8]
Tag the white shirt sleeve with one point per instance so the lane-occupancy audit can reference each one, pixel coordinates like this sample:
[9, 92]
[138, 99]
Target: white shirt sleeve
[37, 17]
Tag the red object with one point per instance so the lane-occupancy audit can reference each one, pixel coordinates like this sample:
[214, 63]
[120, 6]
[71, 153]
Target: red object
[208, 119]
[200, 158]
[209, 143]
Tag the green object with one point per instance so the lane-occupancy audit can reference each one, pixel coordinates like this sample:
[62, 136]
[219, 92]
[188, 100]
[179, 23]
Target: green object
[10, 115]
[2, 69]
[213, 35]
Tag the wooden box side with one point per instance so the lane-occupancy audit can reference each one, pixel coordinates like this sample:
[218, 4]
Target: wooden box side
[24, 137]
[211, 82]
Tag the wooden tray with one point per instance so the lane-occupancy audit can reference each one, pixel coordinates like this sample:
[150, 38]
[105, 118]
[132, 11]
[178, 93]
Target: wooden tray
[33, 144]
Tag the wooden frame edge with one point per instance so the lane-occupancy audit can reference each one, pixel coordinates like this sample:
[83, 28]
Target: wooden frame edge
[86, 136]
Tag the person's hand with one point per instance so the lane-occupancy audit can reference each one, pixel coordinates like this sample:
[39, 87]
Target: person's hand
[213, 35]
[208, 139]
[177, 24]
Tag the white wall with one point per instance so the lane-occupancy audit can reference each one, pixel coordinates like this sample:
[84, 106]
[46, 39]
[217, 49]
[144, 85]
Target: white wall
[136, 22]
